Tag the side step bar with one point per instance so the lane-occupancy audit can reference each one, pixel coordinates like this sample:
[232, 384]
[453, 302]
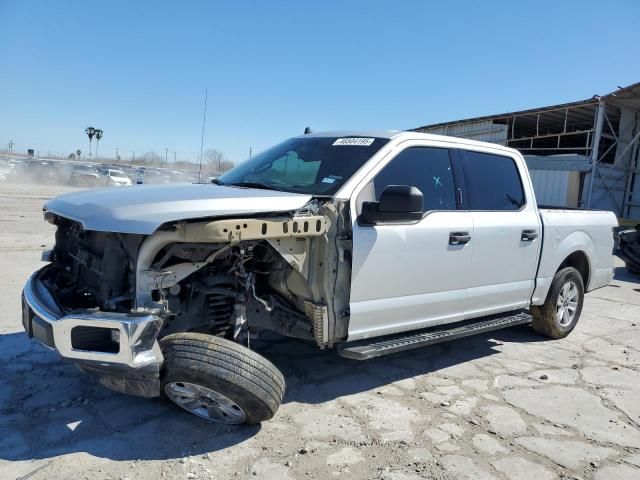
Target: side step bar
[378, 346]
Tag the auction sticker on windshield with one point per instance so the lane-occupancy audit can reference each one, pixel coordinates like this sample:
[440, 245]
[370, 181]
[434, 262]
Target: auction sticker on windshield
[364, 142]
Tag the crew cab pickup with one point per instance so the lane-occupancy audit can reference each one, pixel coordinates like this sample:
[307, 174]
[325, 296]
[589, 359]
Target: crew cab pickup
[368, 242]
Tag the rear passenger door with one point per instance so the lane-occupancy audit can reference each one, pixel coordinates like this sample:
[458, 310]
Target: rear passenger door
[506, 234]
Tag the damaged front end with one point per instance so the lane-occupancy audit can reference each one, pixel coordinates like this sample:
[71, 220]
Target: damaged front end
[80, 305]
[106, 298]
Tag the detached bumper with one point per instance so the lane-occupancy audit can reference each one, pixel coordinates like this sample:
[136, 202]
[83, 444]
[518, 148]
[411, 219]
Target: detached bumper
[119, 349]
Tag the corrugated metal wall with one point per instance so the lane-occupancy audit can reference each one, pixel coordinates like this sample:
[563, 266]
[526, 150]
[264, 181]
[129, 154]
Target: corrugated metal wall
[557, 188]
[485, 131]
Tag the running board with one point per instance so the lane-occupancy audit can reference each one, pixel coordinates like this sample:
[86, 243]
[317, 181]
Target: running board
[378, 346]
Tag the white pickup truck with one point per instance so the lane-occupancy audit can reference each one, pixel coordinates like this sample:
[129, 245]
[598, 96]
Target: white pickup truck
[370, 242]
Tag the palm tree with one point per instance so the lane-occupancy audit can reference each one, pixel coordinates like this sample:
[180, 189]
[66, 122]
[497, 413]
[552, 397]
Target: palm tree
[99, 133]
[90, 131]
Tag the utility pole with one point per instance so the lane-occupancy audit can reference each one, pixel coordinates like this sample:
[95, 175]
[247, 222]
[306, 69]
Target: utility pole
[10, 145]
[166, 152]
[250, 152]
[204, 121]
[174, 157]
[117, 156]
[133, 156]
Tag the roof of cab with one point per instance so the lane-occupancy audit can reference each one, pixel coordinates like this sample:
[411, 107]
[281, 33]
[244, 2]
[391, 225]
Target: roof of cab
[356, 133]
[391, 134]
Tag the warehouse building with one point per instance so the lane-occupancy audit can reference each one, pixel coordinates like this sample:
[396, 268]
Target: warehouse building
[581, 154]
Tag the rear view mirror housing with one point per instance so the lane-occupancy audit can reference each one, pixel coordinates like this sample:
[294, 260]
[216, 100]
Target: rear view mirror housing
[397, 204]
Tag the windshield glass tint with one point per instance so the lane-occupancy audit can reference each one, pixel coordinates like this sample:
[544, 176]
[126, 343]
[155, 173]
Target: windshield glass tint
[313, 165]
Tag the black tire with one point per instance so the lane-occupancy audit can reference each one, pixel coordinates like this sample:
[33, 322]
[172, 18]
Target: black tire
[545, 317]
[632, 269]
[249, 380]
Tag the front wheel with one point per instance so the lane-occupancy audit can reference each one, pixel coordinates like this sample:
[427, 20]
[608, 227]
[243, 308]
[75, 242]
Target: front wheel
[219, 380]
[559, 314]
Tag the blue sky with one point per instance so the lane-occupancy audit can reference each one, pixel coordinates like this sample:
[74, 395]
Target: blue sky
[138, 70]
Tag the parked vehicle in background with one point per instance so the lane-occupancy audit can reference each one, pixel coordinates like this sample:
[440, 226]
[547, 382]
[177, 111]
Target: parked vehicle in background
[130, 172]
[82, 175]
[629, 249]
[38, 171]
[5, 169]
[115, 178]
[182, 177]
[154, 175]
[371, 243]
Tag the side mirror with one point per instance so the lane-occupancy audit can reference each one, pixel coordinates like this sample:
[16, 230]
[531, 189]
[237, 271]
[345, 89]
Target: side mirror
[398, 204]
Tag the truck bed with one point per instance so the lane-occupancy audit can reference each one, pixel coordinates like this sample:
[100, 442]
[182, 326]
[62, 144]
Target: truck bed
[566, 231]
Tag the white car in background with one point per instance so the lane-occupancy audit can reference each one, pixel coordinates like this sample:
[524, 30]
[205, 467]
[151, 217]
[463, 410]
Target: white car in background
[5, 169]
[116, 178]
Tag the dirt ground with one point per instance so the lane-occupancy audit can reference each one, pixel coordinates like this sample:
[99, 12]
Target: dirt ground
[507, 405]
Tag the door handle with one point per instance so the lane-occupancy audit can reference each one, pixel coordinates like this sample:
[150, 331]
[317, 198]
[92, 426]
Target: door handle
[459, 238]
[528, 235]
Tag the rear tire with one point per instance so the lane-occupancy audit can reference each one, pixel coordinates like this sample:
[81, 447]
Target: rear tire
[560, 313]
[219, 380]
[632, 270]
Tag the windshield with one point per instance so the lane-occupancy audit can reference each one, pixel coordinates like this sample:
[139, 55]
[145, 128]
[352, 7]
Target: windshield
[312, 165]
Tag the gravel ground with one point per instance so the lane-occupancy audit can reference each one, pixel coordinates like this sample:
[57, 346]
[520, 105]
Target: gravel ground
[505, 405]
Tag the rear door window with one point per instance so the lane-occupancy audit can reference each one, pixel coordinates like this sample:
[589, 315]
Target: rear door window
[492, 182]
[428, 169]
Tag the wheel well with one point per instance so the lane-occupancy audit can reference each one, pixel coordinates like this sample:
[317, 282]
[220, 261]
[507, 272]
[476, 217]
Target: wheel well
[580, 262]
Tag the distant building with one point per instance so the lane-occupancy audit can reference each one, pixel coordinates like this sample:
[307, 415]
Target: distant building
[580, 154]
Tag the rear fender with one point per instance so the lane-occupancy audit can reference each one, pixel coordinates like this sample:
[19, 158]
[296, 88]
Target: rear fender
[555, 251]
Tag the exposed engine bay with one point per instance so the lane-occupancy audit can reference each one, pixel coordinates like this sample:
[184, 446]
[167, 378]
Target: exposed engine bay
[232, 278]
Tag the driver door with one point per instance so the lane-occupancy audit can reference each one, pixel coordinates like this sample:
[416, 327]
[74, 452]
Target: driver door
[407, 276]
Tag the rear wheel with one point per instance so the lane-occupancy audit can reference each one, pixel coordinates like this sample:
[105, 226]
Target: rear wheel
[219, 380]
[561, 310]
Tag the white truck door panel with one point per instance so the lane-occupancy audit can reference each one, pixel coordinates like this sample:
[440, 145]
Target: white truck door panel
[503, 266]
[506, 233]
[406, 277]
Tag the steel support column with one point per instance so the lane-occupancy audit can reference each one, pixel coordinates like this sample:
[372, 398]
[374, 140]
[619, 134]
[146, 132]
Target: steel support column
[594, 150]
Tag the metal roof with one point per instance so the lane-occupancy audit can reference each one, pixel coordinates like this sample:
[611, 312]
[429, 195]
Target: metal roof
[632, 92]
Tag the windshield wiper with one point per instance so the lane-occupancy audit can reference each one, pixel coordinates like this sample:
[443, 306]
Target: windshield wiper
[262, 186]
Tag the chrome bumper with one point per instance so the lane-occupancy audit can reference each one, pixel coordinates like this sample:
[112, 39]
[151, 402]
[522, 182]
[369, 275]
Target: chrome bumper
[133, 367]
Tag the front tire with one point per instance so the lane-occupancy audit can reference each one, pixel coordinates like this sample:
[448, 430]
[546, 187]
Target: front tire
[219, 380]
[560, 313]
